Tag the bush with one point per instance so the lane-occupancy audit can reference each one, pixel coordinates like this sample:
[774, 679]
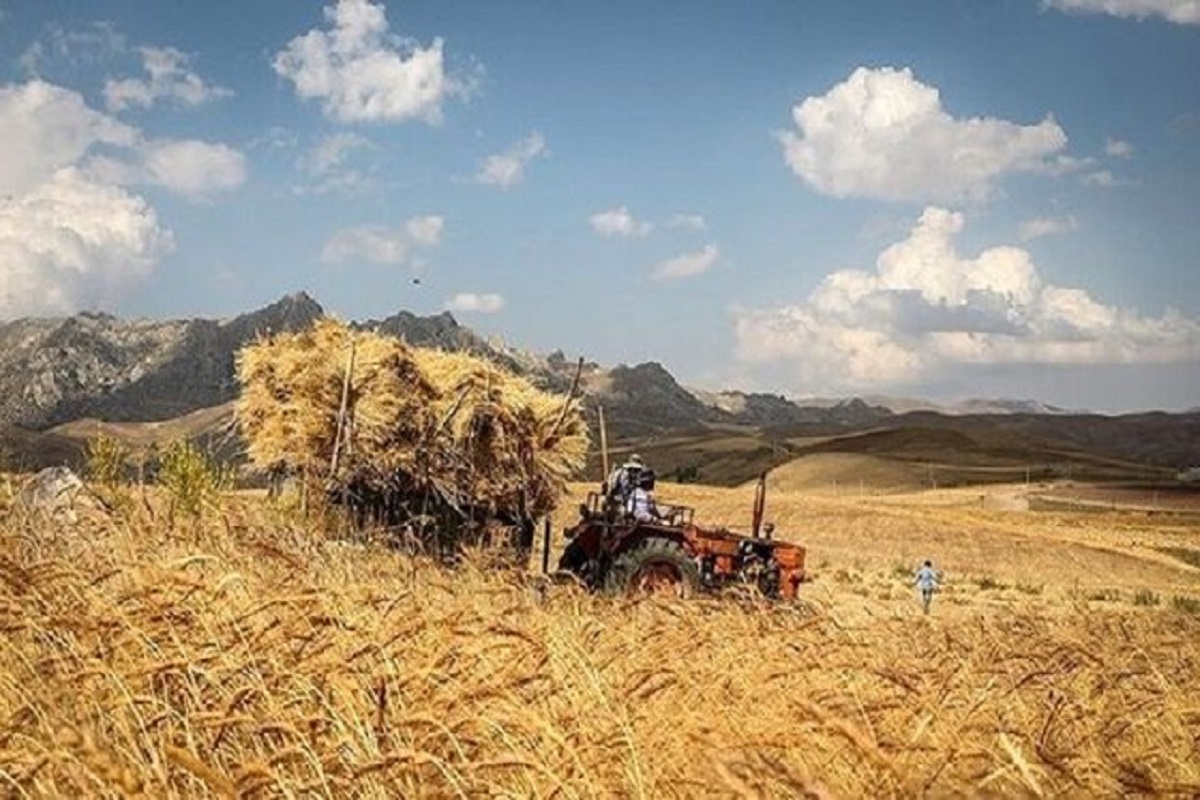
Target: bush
[1186, 605]
[987, 582]
[1145, 597]
[1105, 595]
[190, 477]
[105, 461]
[106, 468]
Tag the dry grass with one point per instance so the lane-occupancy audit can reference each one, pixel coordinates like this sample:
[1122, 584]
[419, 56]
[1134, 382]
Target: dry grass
[405, 419]
[246, 657]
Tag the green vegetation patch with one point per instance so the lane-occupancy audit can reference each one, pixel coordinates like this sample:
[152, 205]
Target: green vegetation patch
[1185, 554]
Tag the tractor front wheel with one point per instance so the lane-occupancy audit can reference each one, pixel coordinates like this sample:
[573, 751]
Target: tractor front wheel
[652, 566]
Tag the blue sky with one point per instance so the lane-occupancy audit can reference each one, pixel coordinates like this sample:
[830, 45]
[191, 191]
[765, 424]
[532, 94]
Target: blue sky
[948, 199]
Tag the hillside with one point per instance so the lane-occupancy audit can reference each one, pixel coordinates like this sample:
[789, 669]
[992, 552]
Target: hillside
[62, 380]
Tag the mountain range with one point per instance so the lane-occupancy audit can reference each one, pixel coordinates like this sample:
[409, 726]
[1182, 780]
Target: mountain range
[62, 378]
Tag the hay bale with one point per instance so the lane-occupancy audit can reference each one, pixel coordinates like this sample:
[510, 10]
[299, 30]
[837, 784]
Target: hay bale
[416, 421]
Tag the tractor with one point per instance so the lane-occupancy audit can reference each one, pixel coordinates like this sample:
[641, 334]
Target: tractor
[609, 551]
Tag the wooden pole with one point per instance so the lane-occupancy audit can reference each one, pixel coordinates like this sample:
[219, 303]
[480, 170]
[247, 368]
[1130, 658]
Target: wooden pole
[341, 417]
[603, 445]
[570, 396]
[546, 547]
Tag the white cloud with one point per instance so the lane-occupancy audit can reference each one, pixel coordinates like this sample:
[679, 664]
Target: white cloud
[1105, 179]
[926, 309]
[883, 134]
[73, 233]
[1046, 226]
[332, 152]
[170, 79]
[693, 222]
[44, 127]
[478, 303]
[363, 73]
[618, 222]
[1115, 148]
[71, 242]
[381, 245]
[86, 44]
[687, 265]
[1184, 12]
[193, 168]
[328, 163]
[508, 168]
[425, 230]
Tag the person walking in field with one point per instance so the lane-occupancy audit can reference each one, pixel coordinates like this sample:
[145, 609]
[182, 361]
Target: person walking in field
[927, 583]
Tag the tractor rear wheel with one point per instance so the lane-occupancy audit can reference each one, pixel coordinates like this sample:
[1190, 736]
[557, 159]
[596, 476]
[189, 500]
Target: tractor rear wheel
[651, 566]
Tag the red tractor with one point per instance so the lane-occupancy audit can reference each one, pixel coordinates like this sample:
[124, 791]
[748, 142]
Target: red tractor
[609, 551]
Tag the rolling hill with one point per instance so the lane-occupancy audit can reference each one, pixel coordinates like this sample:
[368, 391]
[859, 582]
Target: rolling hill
[147, 382]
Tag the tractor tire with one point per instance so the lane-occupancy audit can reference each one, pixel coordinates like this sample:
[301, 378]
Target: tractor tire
[652, 565]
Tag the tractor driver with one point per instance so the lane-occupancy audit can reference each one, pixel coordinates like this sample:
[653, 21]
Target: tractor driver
[623, 480]
[641, 505]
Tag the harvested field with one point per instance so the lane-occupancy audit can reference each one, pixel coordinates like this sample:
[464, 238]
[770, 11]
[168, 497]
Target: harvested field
[244, 655]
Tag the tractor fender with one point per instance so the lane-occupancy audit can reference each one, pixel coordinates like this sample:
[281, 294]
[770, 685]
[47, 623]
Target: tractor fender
[641, 533]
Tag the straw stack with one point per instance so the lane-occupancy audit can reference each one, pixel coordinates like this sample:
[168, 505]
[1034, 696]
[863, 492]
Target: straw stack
[406, 419]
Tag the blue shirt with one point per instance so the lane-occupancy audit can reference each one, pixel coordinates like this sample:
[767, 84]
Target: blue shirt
[927, 578]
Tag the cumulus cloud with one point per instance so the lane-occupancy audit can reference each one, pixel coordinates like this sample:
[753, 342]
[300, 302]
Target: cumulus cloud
[687, 265]
[363, 73]
[1046, 226]
[169, 77]
[618, 222]
[883, 134]
[85, 44]
[693, 222]
[73, 232]
[193, 168]
[46, 127]
[508, 168]
[1105, 179]
[383, 245]
[71, 242]
[477, 303]
[1115, 148]
[1183, 12]
[925, 309]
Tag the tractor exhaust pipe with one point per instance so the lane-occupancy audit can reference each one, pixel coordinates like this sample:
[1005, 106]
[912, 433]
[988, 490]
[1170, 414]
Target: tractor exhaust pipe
[760, 504]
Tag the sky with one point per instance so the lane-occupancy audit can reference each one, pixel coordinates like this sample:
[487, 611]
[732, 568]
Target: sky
[945, 200]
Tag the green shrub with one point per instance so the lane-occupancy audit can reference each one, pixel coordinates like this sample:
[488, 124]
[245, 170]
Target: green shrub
[1187, 555]
[1186, 605]
[1145, 597]
[106, 470]
[987, 582]
[190, 477]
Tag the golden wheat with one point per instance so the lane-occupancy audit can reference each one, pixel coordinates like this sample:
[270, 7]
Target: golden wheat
[230, 660]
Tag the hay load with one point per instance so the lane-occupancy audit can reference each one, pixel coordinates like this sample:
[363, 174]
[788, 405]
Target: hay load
[413, 435]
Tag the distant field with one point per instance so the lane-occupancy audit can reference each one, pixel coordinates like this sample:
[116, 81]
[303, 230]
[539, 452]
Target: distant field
[244, 654]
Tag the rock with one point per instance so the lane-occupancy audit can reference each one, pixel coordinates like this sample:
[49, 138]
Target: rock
[52, 492]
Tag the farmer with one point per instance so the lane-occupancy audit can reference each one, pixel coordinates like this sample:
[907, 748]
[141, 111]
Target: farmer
[640, 504]
[624, 479]
[927, 583]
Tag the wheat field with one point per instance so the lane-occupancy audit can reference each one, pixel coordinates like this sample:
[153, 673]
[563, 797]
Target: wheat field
[243, 654]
